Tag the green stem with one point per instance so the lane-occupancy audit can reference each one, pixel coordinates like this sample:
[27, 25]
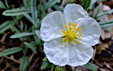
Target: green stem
[75, 68]
[52, 68]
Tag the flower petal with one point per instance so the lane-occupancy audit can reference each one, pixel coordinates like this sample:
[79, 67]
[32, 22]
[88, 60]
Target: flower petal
[90, 30]
[74, 11]
[56, 52]
[80, 54]
[51, 26]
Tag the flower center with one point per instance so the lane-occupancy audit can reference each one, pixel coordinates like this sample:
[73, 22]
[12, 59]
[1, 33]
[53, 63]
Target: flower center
[72, 34]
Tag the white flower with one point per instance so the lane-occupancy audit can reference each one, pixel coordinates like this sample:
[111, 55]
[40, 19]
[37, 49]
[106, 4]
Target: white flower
[68, 37]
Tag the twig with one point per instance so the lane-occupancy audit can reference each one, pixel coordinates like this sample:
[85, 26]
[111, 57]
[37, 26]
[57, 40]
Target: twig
[4, 36]
[108, 66]
[97, 63]
[12, 59]
[33, 64]
[7, 44]
[31, 57]
[63, 3]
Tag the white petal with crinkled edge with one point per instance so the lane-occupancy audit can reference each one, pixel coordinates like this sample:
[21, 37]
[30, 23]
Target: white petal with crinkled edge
[73, 12]
[80, 54]
[56, 52]
[90, 30]
[51, 26]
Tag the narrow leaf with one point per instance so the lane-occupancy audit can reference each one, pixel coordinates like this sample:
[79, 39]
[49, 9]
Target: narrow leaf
[6, 25]
[2, 5]
[58, 8]
[106, 25]
[107, 29]
[33, 43]
[41, 10]
[52, 67]
[15, 12]
[23, 64]
[58, 1]
[44, 65]
[29, 18]
[21, 25]
[10, 51]
[90, 66]
[105, 22]
[31, 47]
[19, 17]
[14, 29]
[26, 3]
[18, 35]
[98, 10]
[50, 3]
[6, 2]
[57, 68]
[34, 10]
[100, 0]
[105, 14]
[38, 33]
[86, 4]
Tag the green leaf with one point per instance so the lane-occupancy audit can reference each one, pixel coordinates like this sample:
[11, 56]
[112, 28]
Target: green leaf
[86, 4]
[38, 33]
[106, 25]
[24, 48]
[21, 25]
[41, 10]
[34, 10]
[14, 29]
[100, 0]
[25, 28]
[105, 22]
[29, 18]
[98, 10]
[19, 17]
[58, 8]
[33, 43]
[23, 64]
[10, 51]
[107, 29]
[6, 25]
[50, 3]
[26, 3]
[15, 12]
[105, 14]
[6, 2]
[58, 68]
[44, 65]
[31, 47]
[52, 67]
[58, 1]
[90, 66]
[2, 5]
[18, 35]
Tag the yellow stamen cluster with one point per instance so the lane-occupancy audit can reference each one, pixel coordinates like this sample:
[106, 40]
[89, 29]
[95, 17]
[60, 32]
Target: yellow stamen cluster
[72, 34]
